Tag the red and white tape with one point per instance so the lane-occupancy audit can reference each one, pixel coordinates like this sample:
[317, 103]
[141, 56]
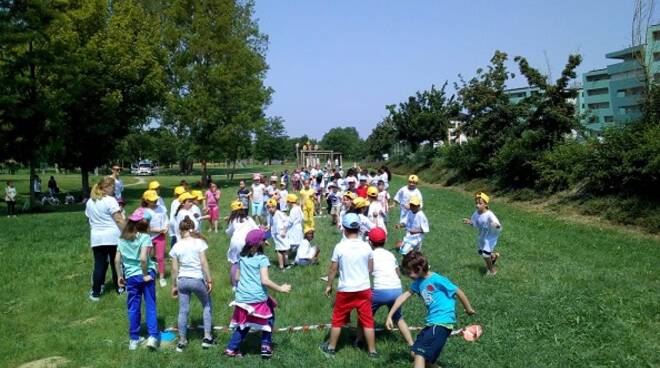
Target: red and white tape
[305, 328]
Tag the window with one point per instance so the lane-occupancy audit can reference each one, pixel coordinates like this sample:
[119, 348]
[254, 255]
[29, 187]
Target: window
[629, 109]
[598, 77]
[517, 95]
[597, 91]
[656, 36]
[627, 92]
[608, 119]
[656, 56]
[599, 105]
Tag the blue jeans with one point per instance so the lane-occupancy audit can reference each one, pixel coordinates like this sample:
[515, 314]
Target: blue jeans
[136, 288]
[385, 297]
[239, 335]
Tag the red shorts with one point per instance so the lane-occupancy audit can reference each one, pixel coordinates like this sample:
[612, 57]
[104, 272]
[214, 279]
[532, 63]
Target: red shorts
[345, 302]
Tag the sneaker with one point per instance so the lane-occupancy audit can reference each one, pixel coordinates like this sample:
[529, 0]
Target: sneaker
[233, 353]
[121, 290]
[102, 289]
[288, 267]
[374, 355]
[133, 344]
[324, 278]
[162, 282]
[266, 352]
[208, 343]
[180, 346]
[152, 343]
[92, 297]
[325, 349]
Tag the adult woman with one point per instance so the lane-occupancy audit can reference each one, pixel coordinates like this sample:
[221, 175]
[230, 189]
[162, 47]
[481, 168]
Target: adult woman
[106, 223]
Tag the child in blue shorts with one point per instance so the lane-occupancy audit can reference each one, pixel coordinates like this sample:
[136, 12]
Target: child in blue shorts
[438, 294]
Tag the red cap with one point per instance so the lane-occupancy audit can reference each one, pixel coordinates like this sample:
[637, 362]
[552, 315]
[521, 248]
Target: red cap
[377, 235]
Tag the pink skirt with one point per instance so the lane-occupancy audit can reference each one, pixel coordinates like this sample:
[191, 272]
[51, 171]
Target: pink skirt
[253, 315]
[214, 213]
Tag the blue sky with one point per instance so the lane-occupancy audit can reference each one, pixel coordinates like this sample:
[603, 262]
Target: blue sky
[338, 63]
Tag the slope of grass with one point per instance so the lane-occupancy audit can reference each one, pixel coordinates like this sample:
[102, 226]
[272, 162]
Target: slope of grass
[565, 295]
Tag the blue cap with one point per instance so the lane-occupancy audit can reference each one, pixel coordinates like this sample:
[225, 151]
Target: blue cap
[351, 221]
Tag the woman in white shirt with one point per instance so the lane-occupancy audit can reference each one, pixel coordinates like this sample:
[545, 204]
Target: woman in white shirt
[106, 223]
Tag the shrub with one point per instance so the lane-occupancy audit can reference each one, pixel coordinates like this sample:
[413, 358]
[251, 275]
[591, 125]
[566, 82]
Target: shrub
[562, 167]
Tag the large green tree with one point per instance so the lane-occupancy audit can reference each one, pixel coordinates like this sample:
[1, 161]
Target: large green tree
[216, 67]
[271, 140]
[381, 140]
[30, 58]
[345, 140]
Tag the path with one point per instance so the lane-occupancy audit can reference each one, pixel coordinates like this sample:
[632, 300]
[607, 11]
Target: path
[140, 180]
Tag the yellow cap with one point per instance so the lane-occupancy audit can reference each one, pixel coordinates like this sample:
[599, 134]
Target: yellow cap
[236, 205]
[272, 202]
[179, 190]
[185, 196]
[415, 201]
[372, 192]
[413, 178]
[291, 198]
[153, 185]
[308, 229]
[483, 197]
[197, 194]
[350, 195]
[360, 202]
[150, 195]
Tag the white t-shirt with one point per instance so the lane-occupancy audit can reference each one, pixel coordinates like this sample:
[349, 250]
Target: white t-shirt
[182, 215]
[238, 231]
[283, 205]
[305, 250]
[258, 193]
[376, 215]
[404, 194]
[104, 229]
[385, 265]
[352, 256]
[278, 227]
[173, 207]
[365, 226]
[384, 200]
[416, 221]
[186, 251]
[486, 223]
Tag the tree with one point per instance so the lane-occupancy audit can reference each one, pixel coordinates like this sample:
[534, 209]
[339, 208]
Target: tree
[115, 80]
[271, 141]
[29, 59]
[424, 117]
[345, 140]
[216, 67]
[381, 140]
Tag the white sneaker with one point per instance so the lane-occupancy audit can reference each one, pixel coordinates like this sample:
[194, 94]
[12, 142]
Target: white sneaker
[133, 344]
[324, 278]
[92, 297]
[152, 343]
[163, 283]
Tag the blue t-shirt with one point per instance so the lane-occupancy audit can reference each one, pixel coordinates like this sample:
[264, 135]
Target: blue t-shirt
[438, 295]
[250, 289]
[333, 198]
[130, 255]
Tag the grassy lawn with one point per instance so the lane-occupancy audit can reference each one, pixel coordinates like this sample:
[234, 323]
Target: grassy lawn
[565, 295]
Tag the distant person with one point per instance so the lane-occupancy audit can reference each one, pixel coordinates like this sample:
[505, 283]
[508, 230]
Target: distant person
[52, 186]
[106, 223]
[174, 206]
[489, 231]
[243, 195]
[139, 273]
[278, 229]
[437, 293]
[212, 205]
[10, 199]
[36, 186]
[257, 195]
[119, 185]
[307, 201]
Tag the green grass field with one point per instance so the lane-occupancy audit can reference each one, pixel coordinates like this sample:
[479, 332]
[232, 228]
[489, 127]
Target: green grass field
[566, 294]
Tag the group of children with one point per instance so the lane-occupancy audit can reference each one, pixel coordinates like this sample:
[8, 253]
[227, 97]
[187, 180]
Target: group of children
[360, 214]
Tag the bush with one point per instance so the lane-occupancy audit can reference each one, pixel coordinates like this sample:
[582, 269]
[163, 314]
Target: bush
[562, 167]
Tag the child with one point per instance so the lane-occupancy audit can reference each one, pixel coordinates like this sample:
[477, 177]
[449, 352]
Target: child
[489, 231]
[437, 293]
[283, 194]
[361, 190]
[416, 226]
[178, 191]
[239, 225]
[257, 198]
[155, 185]
[387, 284]
[335, 203]
[157, 229]
[185, 209]
[307, 200]
[253, 308]
[307, 253]
[376, 211]
[294, 226]
[353, 259]
[212, 199]
[361, 206]
[403, 196]
[278, 229]
[346, 207]
[122, 207]
[384, 199]
[138, 276]
[244, 195]
[191, 275]
[10, 198]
